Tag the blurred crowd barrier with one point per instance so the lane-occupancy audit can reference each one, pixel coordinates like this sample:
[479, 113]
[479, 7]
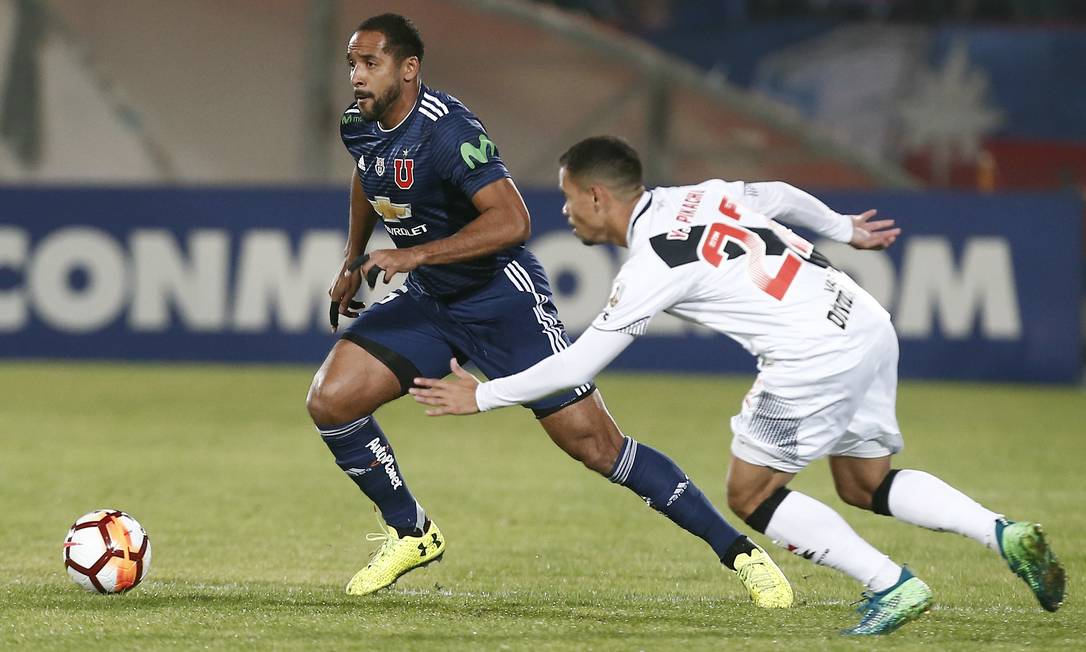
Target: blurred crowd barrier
[251, 91]
[979, 287]
[846, 94]
[964, 94]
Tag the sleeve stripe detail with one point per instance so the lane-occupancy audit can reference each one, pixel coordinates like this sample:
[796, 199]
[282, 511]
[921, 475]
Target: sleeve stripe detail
[637, 329]
[423, 111]
[436, 104]
[433, 108]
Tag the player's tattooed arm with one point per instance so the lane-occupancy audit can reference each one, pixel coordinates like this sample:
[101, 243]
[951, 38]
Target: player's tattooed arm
[872, 234]
[503, 221]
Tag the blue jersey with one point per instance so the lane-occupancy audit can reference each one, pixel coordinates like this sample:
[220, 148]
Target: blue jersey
[420, 177]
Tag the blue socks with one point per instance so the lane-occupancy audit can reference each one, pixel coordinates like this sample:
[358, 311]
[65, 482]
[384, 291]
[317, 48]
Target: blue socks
[663, 485]
[364, 454]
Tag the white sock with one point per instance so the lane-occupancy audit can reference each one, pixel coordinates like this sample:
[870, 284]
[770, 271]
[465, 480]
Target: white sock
[922, 499]
[420, 516]
[815, 532]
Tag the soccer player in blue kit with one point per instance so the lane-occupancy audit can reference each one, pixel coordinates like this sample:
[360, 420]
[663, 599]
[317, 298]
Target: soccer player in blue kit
[426, 167]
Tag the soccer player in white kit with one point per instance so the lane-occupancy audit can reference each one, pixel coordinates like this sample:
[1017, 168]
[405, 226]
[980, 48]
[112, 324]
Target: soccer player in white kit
[827, 354]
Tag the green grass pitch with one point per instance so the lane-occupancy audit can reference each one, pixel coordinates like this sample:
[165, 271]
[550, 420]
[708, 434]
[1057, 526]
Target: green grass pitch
[255, 530]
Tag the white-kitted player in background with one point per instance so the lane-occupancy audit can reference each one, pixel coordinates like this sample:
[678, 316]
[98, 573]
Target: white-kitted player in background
[827, 354]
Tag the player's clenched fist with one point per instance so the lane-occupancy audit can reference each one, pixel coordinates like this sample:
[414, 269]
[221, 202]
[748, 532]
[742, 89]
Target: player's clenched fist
[392, 261]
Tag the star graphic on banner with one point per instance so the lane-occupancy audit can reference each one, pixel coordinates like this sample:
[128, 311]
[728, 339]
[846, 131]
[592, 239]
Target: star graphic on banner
[949, 114]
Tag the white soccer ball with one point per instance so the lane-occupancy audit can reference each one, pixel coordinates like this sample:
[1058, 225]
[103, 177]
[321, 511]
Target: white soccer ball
[107, 551]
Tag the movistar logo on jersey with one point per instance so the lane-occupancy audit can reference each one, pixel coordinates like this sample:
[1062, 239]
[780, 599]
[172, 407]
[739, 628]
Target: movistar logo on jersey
[478, 154]
[350, 119]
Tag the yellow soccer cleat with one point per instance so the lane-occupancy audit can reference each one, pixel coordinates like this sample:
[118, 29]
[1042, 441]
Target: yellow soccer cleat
[767, 585]
[395, 557]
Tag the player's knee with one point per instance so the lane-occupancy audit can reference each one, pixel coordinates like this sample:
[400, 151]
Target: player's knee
[855, 495]
[740, 500]
[739, 506]
[331, 403]
[318, 405]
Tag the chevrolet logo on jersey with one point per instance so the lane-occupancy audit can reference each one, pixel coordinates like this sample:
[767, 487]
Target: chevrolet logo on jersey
[392, 214]
[388, 211]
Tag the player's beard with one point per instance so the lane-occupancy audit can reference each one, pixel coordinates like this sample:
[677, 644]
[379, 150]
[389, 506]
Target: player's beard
[380, 103]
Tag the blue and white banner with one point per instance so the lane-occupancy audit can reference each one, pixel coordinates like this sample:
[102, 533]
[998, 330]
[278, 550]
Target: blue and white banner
[979, 287]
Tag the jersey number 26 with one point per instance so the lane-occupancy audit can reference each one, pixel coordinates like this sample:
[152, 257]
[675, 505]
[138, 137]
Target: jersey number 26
[757, 244]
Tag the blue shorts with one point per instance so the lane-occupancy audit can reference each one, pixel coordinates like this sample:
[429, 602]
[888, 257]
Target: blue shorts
[504, 327]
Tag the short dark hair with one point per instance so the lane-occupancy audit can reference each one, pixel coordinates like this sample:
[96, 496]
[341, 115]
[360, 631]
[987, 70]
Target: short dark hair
[605, 158]
[402, 38]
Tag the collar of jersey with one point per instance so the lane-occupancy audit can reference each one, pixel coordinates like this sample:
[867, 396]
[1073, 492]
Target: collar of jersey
[422, 89]
[639, 209]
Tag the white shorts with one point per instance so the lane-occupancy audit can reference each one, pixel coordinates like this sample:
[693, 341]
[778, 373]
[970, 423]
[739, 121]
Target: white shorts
[787, 421]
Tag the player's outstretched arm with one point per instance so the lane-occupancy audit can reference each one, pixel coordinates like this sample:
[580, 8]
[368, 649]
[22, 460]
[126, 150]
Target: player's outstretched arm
[574, 366]
[872, 234]
[786, 203]
[454, 396]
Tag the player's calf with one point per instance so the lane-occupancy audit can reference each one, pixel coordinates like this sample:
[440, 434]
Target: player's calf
[363, 452]
[817, 533]
[587, 433]
[922, 499]
[858, 479]
[749, 486]
[667, 489]
[593, 450]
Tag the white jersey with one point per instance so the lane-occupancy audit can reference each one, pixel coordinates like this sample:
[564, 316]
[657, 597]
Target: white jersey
[704, 254]
[711, 254]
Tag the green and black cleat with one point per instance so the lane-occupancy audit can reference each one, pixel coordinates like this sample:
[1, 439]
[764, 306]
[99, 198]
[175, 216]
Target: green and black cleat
[1027, 553]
